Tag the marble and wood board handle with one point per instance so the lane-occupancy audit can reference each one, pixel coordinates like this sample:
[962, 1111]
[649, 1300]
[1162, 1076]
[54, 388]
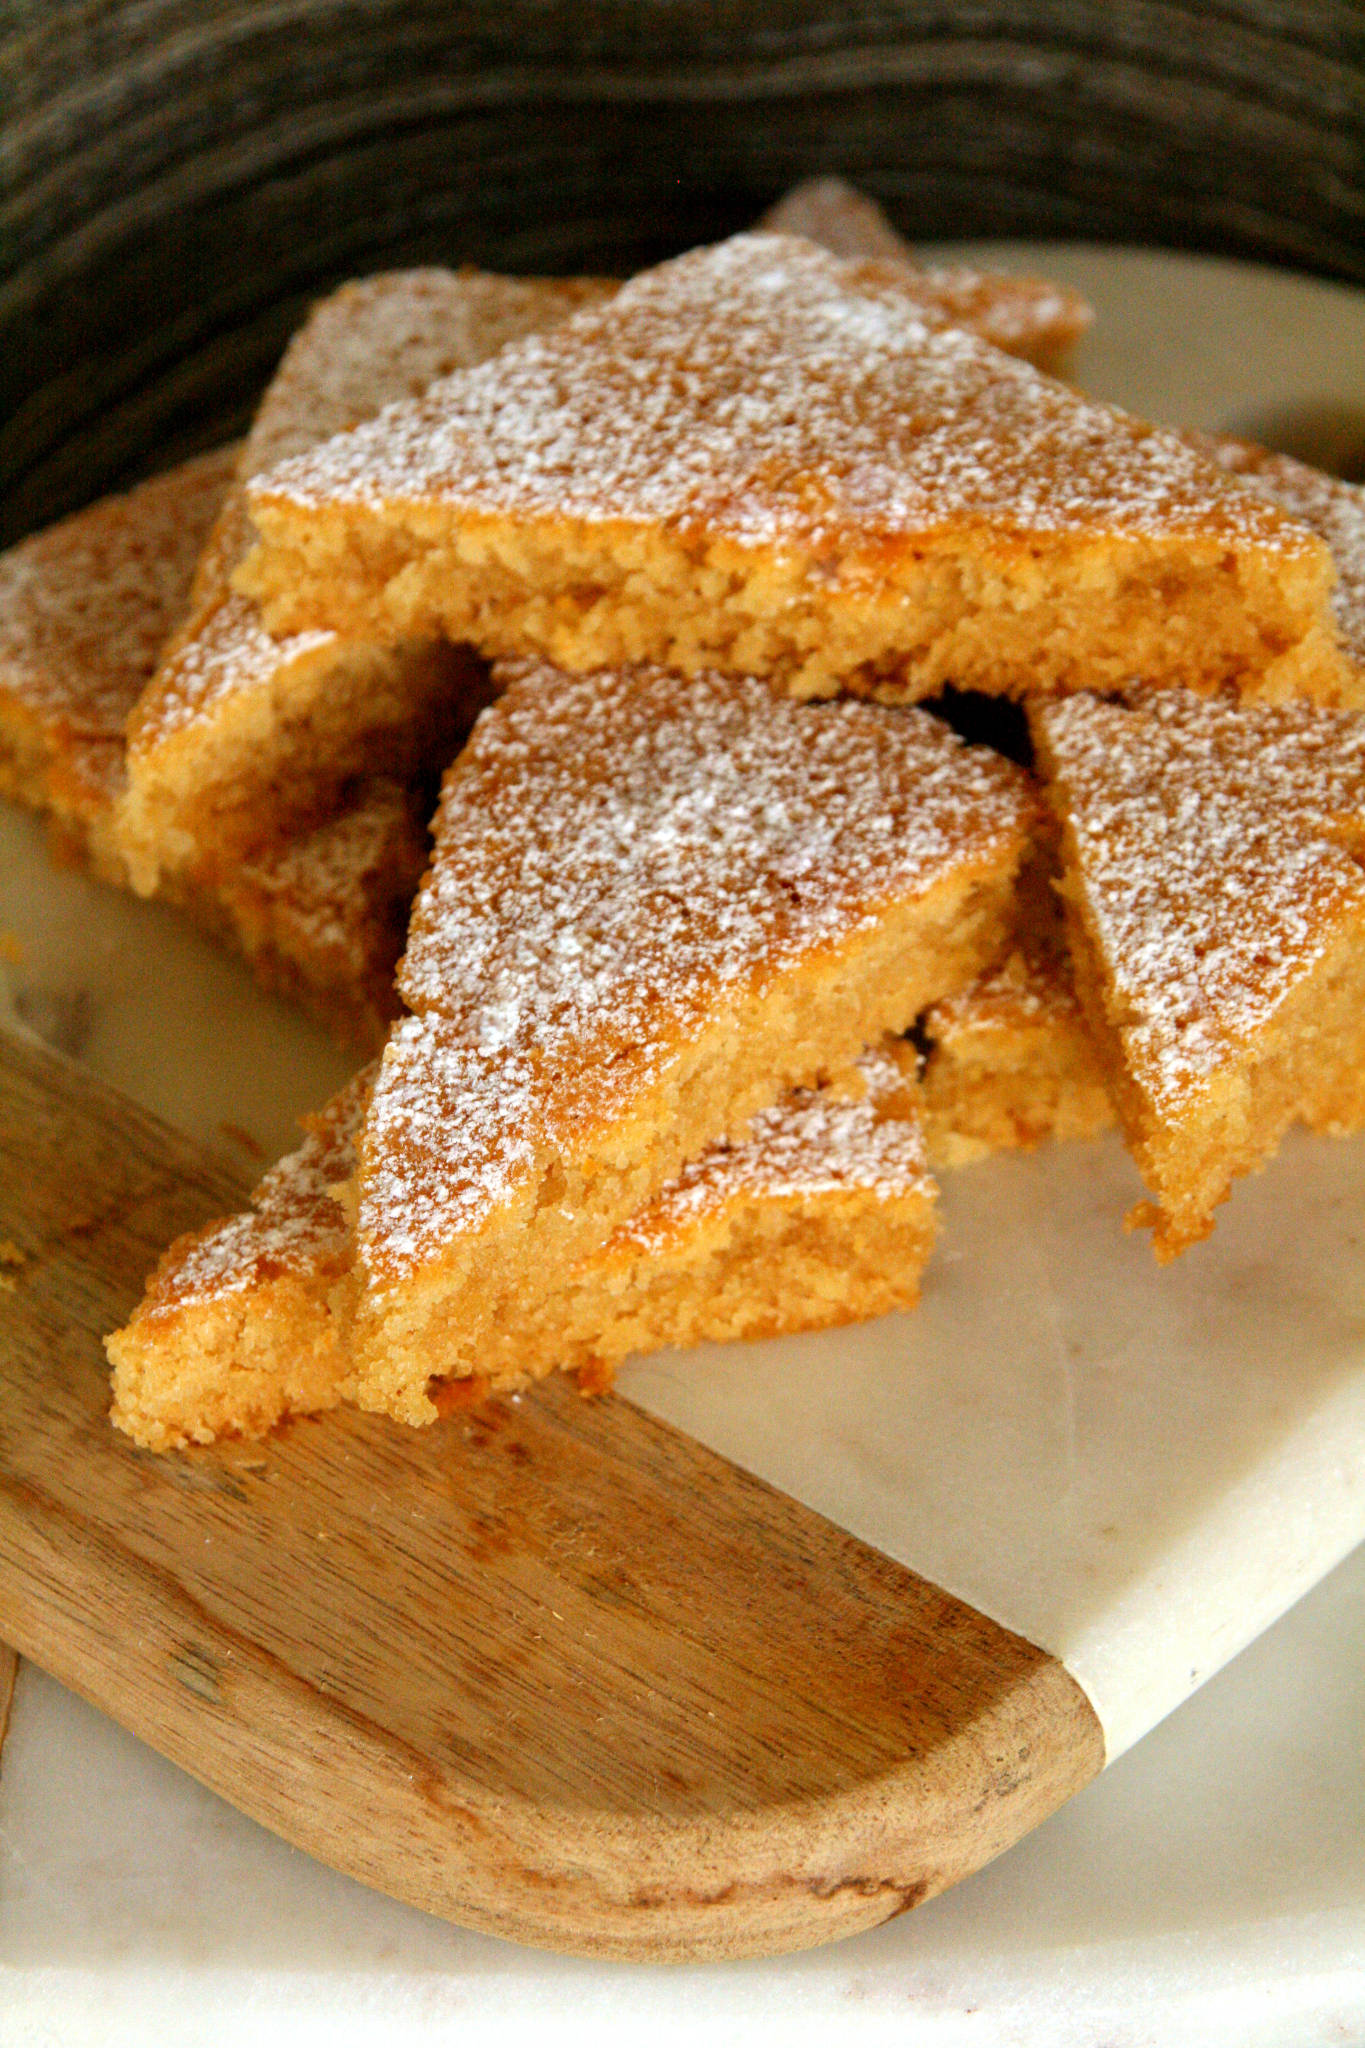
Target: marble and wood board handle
[551, 1670]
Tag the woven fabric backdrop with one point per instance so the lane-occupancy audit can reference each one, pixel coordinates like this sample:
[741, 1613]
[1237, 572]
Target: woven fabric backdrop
[179, 177]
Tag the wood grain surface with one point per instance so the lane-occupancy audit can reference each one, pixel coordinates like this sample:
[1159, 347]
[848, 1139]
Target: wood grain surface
[551, 1669]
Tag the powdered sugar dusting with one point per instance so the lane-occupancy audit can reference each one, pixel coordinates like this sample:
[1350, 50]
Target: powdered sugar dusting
[617, 846]
[617, 857]
[1023, 315]
[763, 392]
[224, 652]
[1334, 509]
[382, 339]
[294, 1227]
[1032, 984]
[86, 606]
[814, 1142]
[1211, 861]
[388, 337]
[830, 212]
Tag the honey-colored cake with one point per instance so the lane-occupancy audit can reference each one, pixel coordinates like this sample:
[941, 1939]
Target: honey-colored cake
[655, 904]
[235, 1329]
[84, 608]
[1011, 1059]
[1026, 316]
[321, 915]
[1333, 508]
[822, 1214]
[759, 459]
[239, 737]
[1216, 913]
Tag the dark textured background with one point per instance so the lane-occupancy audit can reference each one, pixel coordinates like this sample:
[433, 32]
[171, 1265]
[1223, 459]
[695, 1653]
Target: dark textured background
[179, 177]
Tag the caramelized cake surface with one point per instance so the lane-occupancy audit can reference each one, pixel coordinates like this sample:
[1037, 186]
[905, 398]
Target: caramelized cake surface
[655, 903]
[1216, 908]
[821, 1213]
[760, 459]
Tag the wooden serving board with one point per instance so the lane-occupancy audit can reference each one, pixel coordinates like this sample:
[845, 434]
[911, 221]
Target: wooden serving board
[552, 1670]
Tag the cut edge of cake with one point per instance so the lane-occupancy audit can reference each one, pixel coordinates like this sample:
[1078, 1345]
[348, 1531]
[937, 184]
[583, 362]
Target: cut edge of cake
[655, 903]
[822, 1214]
[319, 914]
[240, 737]
[1010, 1059]
[760, 459]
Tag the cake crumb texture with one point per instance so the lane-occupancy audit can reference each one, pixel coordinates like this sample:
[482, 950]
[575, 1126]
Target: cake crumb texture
[821, 1214]
[654, 904]
[1216, 911]
[761, 460]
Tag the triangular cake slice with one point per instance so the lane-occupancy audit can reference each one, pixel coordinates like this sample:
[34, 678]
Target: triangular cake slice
[655, 903]
[240, 737]
[1026, 316]
[822, 1214]
[1215, 897]
[85, 607]
[759, 459]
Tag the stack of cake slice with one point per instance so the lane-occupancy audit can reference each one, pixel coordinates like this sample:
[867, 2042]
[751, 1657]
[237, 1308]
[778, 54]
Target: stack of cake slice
[238, 736]
[1213, 892]
[675, 888]
[279, 790]
[85, 607]
[656, 905]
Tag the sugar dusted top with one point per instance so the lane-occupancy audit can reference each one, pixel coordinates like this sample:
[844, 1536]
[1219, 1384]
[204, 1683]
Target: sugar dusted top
[294, 1228]
[1025, 315]
[764, 392]
[1214, 852]
[617, 856]
[618, 847]
[86, 606]
[367, 345]
[834, 214]
[817, 1141]
[388, 337]
[226, 650]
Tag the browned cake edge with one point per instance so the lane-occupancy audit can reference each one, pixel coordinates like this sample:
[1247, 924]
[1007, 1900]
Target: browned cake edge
[242, 1323]
[583, 1177]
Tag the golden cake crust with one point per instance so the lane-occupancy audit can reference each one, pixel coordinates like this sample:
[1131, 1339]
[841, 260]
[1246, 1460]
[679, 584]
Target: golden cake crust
[319, 914]
[240, 736]
[1011, 1058]
[823, 1212]
[1216, 908]
[1333, 508]
[85, 608]
[761, 459]
[654, 903]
